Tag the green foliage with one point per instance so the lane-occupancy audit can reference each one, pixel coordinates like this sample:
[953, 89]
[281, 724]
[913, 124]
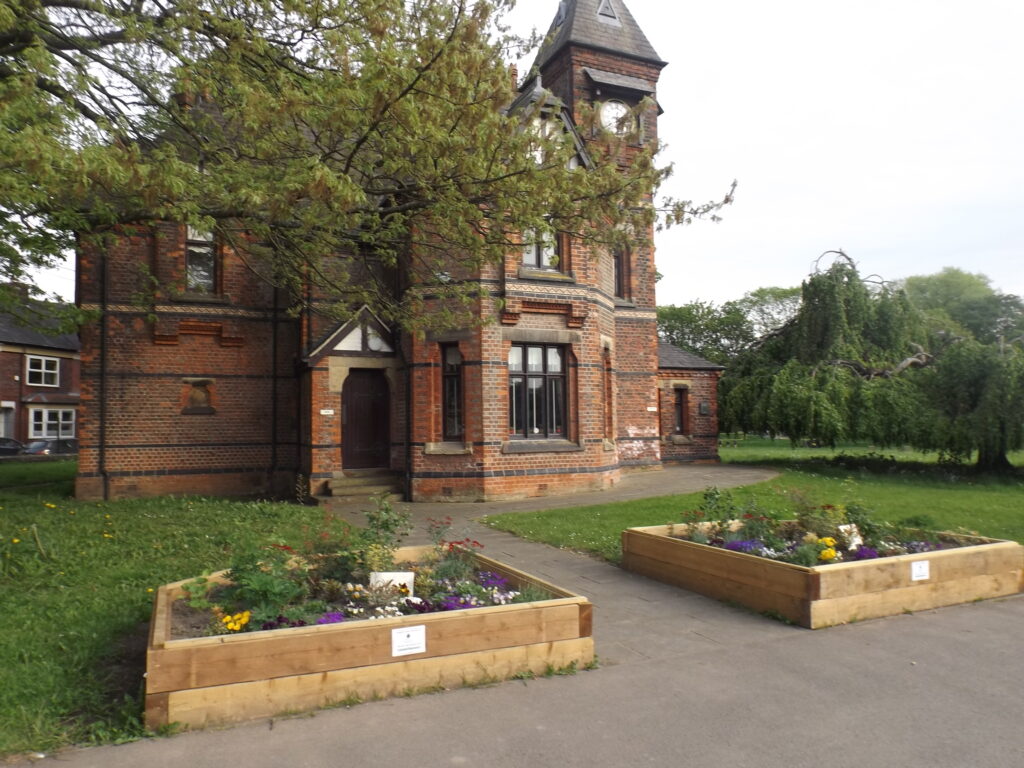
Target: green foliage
[72, 621]
[860, 362]
[715, 333]
[294, 123]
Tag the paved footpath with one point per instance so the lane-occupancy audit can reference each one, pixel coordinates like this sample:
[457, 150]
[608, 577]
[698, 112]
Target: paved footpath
[683, 681]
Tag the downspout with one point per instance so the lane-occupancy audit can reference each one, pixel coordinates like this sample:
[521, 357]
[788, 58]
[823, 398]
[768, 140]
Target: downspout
[273, 394]
[104, 329]
[408, 418]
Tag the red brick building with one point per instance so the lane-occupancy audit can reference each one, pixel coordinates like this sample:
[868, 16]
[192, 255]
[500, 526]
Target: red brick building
[214, 389]
[39, 380]
[688, 403]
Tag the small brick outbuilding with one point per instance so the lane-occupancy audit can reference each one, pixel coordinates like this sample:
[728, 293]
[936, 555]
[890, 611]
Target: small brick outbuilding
[688, 405]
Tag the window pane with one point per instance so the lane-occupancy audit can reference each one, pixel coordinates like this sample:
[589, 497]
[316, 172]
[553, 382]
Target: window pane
[199, 270]
[535, 406]
[515, 359]
[516, 424]
[452, 407]
[530, 250]
[550, 256]
[556, 407]
[452, 359]
[535, 359]
[554, 360]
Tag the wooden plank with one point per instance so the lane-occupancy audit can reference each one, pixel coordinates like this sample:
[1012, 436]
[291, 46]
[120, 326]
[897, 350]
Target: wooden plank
[870, 576]
[756, 572]
[266, 698]
[257, 655]
[720, 587]
[922, 596]
[586, 619]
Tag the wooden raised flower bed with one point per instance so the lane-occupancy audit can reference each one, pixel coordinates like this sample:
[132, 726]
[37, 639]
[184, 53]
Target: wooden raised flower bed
[204, 681]
[825, 595]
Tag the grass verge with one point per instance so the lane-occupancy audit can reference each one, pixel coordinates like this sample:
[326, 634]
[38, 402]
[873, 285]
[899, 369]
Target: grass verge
[76, 583]
[895, 488]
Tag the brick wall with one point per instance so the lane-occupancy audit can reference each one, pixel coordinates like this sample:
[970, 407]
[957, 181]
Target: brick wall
[699, 439]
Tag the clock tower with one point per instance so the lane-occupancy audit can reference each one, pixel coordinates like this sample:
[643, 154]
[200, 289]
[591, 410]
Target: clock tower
[596, 54]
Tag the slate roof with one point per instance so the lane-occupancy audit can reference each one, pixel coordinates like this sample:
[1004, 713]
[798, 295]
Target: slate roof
[578, 22]
[12, 332]
[670, 356]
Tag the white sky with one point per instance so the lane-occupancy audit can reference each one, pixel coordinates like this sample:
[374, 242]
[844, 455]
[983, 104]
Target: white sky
[892, 129]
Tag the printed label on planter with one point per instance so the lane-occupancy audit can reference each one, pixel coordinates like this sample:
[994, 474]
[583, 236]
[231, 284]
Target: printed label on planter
[919, 570]
[409, 640]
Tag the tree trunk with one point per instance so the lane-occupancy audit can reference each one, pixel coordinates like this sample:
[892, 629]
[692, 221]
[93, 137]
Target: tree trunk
[993, 460]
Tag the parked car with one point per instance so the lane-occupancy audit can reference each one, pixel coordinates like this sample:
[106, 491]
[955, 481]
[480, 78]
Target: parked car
[51, 446]
[9, 446]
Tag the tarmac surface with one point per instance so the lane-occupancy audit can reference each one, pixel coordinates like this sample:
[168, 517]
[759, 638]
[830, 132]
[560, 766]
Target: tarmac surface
[683, 681]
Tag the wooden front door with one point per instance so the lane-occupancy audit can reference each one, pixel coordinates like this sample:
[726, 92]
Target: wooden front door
[365, 425]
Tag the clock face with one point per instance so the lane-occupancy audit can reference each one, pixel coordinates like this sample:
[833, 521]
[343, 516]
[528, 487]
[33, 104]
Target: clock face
[613, 117]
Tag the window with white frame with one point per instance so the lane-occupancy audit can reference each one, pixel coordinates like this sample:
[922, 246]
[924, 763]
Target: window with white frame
[51, 422]
[542, 250]
[200, 262]
[42, 371]
[536, 391]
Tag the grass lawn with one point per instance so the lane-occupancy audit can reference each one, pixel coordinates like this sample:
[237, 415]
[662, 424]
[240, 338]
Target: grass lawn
[896, 486]
[76, 583]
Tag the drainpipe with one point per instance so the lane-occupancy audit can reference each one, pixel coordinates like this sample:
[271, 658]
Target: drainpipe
[273, 393]
[408, 418]
[104, 328]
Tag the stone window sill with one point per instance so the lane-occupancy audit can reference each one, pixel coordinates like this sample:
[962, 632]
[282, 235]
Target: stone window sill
[679, 440]
[202, 298]
[448, 448]
[552, 275]
[540, 446]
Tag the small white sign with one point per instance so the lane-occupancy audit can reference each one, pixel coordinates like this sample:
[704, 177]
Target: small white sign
[652, 408]
[919, 570]
[393, 579]
[326, 411]
[408, 640]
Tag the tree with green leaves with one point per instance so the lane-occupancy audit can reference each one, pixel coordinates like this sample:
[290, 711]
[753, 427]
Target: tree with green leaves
[297, 131]
[860, 361]
[716, 333]
[967, 302]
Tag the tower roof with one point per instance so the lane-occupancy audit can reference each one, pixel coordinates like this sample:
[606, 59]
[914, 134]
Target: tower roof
[605, 25]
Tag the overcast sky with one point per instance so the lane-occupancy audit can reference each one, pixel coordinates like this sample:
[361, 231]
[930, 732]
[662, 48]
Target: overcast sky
[892, 129]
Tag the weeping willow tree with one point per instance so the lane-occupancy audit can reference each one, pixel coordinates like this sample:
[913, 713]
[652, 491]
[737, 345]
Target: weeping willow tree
[860, 362]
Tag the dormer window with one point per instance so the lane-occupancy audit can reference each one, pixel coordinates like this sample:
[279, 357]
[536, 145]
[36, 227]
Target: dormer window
[606, 13]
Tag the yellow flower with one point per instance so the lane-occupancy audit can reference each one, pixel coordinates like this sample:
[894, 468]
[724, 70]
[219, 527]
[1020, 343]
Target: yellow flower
[149, 589]
[49, 505]
[828, 541]
[827, 554]
[15, 541]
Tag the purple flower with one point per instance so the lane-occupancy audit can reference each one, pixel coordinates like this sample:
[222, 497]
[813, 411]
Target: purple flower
[748, 546]
[489, 579]
[865, 553]
[332, 617]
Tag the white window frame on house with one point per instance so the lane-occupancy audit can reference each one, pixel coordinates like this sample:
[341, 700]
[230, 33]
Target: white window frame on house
[538, 391]
[42, 371]
[542, 250]
[51, 423]
[202, 262]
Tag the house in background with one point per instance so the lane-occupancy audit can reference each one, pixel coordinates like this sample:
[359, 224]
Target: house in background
[216, 388]
[39, 381]
[688, 405]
